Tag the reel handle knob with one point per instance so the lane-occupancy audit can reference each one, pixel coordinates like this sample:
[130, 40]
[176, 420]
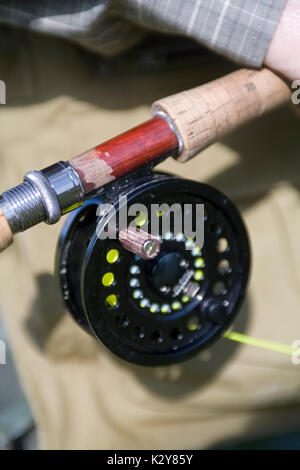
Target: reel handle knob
[139, 242]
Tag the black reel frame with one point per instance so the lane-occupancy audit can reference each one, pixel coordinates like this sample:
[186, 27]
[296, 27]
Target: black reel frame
[131, 310]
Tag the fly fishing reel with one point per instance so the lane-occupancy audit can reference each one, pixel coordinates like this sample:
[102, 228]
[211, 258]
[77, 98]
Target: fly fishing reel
[166, 303]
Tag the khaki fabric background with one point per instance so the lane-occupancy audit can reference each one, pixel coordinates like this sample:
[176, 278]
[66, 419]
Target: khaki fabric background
[81, 395]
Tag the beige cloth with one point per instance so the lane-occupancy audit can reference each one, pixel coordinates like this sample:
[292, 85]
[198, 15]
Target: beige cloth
[83, 396]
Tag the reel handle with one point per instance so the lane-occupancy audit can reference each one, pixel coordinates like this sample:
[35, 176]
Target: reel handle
[204, 114]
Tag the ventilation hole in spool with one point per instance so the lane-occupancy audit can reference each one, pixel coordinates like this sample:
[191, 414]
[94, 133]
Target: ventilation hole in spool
[222, 245]
[134, 282]
[140, 219]
[199, 275]
[219, 288]
[180, 237]
[108, 279]
[189, 244]
[137, 294]
[176, 305]
[135, 270]
[193, 324]
[122, 321]
[215, 229]
[144, 303]
[196, 251]
[224, 267]
[154, 308]
[138, 332]
[165, 308]
[176, 334]
[156, 337]
[168, 236]
[112, 301]
[199, 263]
[112, 256]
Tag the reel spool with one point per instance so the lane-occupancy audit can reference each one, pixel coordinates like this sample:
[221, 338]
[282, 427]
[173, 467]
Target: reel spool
[163, 310]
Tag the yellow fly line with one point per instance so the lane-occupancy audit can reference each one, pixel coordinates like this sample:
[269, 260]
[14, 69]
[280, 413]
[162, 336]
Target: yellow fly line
[262, 343]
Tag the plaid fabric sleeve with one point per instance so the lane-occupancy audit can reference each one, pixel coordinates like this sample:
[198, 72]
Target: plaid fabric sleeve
[238, 29]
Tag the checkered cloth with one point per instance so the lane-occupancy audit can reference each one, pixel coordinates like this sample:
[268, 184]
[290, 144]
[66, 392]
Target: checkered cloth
[238, 29]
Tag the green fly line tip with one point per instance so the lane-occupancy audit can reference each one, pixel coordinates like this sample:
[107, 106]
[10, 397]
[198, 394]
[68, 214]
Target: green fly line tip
[261, 343]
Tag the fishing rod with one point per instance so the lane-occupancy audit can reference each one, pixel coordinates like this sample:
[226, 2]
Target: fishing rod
[182, 126]
[150, 298]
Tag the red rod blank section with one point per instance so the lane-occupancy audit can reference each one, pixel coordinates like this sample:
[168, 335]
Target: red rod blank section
[124, 153]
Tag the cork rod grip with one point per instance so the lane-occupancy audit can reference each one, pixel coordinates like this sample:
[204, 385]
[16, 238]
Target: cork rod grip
[206, 113]
[6, 236]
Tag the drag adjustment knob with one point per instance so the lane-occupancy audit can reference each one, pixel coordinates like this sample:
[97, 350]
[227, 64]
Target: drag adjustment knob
[139, 242]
